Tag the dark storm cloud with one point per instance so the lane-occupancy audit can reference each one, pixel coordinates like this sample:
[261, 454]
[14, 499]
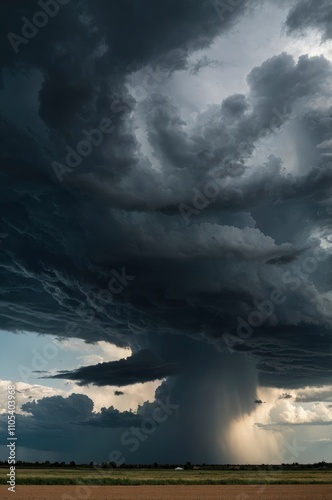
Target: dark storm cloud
[188, 280]
[242, 122]
[126, 35]
[103, 253]
[308, 360]
[111, 417]
[75, 409]
[58, 409]
[62, 424]
[142, 366]
[179, 410]
[308, 14]
[116, 39]
[225, 136]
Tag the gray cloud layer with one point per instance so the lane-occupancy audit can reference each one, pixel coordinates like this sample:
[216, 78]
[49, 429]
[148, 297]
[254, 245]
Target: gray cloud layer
[310, 14]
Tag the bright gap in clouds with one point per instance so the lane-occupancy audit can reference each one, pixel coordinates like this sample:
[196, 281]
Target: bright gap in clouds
[311, 44]
[253, 40]
[324, 235]
[284, 427]
[67, 354]
[46, 354]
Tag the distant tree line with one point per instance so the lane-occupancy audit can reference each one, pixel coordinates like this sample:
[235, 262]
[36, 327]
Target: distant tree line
[112, 465]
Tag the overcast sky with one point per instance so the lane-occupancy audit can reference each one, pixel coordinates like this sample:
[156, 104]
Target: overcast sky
[165, 229]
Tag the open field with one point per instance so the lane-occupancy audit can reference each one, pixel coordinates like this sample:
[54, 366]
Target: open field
[49, 476]
[225, 492]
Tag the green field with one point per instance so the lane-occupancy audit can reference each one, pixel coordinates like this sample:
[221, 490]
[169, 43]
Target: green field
[165, 476]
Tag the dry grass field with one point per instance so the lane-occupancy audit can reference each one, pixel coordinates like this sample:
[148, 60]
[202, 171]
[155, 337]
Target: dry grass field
[135, 477]
[181, 492]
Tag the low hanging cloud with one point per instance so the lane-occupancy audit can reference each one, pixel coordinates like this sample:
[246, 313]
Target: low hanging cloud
[143, 366]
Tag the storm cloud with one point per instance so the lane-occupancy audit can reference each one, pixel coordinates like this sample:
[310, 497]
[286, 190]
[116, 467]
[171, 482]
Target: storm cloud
[142, 366]
[130, 221]
[306, 14]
